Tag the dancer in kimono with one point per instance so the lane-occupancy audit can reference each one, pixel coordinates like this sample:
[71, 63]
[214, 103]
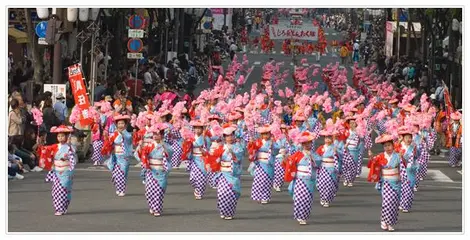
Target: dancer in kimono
[198, 176]
[351, 155]
[97, 136]
[327, 179]
[262, 166]
[173, 137]
[147, 139]
[226, 161]
[281, 146]
[407, 151]
[385, 172]
[454, 136]
[60, 160]
[299, 121]
[422, 141]
[119, 149]
[301, 171]
[156, 159]
[214, 142]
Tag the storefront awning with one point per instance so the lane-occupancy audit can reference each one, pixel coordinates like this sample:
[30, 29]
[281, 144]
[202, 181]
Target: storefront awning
[18, 35]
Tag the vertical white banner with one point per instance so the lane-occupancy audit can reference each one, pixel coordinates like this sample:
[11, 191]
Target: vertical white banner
[389, 39]
[55, 89]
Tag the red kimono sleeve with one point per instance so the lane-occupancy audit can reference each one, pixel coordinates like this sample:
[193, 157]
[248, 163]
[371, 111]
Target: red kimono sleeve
[291, 166]
[144, 156]
[187, 147]
[253, 147]
[47, 156]
[375, 165]
[210, 160]
[108, 145]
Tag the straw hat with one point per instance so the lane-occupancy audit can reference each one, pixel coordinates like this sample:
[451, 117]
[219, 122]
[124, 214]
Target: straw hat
[384, 138]
[121, 117]
[62, 129]
[306, 137]
[264, 129]
[196, 123]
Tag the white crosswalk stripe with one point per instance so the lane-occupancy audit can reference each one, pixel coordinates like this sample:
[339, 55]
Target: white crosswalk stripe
[326, 34]
[257, 63]
[460, 172]
[434, 175]
[334, 34]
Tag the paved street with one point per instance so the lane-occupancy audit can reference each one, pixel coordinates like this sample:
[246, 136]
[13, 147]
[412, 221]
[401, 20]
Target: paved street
[95, 208]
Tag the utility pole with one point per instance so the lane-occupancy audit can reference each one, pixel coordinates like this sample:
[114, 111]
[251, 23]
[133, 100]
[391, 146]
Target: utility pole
[225, 21]
[180, 46]
[408, 34]
[398, 33]
[176, 29]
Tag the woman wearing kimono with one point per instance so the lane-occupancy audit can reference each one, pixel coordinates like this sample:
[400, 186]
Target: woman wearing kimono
[351, 155]
[407, 151]
[327, 179]
[172, 137]
[423, 141]
[214, 142]
[301, 171]
[147, 139]
[198, 176]
[156, 157]
[226, 161]
[281, 146]
[119, 148]
[454, 136]
[262, 166]
[60, 160]
[97, 136]
[385, 171]
[299, 124]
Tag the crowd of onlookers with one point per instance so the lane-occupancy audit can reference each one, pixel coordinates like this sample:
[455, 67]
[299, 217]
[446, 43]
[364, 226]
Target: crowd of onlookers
[24, 139]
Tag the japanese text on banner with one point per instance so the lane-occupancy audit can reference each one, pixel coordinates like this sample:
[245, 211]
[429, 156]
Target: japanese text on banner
[300, 32]
[79, 94]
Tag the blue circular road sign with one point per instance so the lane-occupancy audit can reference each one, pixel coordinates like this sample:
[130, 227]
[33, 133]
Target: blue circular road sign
[41, 29]
[136, 22]
[135, 45]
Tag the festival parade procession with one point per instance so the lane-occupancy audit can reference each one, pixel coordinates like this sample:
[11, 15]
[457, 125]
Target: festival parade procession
[273, 119]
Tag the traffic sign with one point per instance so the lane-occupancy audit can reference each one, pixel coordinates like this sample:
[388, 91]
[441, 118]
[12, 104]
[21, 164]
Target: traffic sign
[136, 22]
[42, 41]
[135, 55]
[135, 45]
[41, 29]
[135, 33]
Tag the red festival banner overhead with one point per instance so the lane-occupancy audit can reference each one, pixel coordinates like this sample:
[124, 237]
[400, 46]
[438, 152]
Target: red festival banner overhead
[79, 93]
[298, 32]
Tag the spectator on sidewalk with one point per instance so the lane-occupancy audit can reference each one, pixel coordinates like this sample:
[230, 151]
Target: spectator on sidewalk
[15, 124]
[60, 108]
[50, 120]
[344, 54]
[15, 165]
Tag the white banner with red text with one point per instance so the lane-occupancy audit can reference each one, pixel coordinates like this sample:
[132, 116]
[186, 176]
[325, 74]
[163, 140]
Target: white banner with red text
[298, 32]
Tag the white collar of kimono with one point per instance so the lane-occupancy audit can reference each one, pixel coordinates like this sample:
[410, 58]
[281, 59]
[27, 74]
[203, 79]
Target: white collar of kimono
[227, 146]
